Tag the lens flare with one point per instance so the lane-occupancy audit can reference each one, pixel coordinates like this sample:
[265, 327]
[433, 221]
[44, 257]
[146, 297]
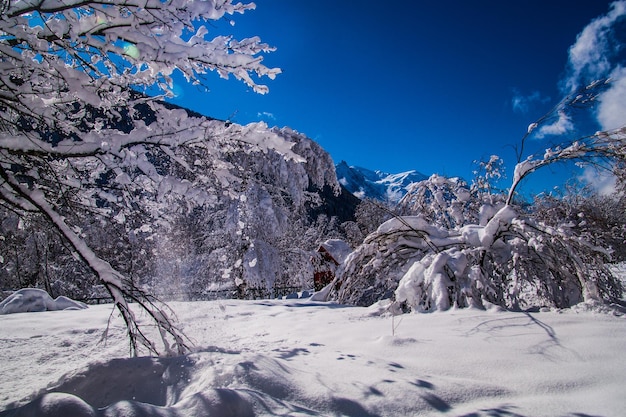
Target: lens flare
[131, 50]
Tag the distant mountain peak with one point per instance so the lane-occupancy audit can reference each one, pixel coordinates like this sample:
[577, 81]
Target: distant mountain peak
[379, 185]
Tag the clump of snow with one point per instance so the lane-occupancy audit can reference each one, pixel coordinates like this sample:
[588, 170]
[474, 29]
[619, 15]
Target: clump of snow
[29, 300]
[427, 279]
[337, 248]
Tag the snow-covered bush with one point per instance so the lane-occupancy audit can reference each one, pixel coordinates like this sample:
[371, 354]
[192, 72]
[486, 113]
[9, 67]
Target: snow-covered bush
[600, 219]
[510, 260]
[460, 246]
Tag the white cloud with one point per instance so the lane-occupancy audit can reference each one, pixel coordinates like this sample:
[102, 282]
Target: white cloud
[266, 115]
[589, 57]
[603, 182]
[612, 108]
[562, 125]
[521, 103]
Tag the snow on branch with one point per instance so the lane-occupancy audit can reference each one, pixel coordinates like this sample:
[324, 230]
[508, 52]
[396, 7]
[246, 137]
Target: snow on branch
[75, 136]
[600, 147]
[55, 53]
[114, 281]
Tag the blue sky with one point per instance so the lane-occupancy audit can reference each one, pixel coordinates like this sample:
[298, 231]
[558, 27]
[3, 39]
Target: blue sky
[395, 86]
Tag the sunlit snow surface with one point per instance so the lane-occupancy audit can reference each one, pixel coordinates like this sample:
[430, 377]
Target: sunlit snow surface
[305, 358]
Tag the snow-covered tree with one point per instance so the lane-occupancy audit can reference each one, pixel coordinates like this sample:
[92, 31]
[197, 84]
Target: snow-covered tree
[33, 255]
[76, 140]
[460, 246]
[599, 218]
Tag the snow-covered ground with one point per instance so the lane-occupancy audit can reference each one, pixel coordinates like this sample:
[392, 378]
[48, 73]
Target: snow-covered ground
[306, 358]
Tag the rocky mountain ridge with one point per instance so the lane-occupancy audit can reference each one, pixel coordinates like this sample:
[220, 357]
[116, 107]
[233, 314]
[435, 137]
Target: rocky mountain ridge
[378, 185]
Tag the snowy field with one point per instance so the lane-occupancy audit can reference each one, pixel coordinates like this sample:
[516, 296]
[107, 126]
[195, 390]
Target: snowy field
[306, 358]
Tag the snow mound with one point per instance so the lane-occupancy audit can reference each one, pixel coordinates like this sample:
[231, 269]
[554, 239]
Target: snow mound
[215, 402]
[191, 385]
[29, 300]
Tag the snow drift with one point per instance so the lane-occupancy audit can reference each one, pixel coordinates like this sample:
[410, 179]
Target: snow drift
[34, 300]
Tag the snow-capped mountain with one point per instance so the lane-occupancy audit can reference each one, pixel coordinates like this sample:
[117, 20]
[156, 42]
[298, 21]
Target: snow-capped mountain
[365, 183]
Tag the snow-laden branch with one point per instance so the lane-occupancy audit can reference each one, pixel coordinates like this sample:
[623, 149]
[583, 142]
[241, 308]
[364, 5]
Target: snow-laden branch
[602, 146]
[74, 134]
[114, 281]
[55, 55]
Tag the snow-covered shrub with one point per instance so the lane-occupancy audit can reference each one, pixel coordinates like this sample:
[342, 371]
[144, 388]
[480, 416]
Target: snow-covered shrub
[600, 219]
[460, 246]
[429, 209]
[372, 271]
[511, 260]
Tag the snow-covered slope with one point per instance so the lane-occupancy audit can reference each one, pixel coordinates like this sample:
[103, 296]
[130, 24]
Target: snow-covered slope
[365, 183]
[302, 358]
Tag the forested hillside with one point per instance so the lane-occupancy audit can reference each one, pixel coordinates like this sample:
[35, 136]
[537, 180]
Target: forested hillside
[251, 226]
